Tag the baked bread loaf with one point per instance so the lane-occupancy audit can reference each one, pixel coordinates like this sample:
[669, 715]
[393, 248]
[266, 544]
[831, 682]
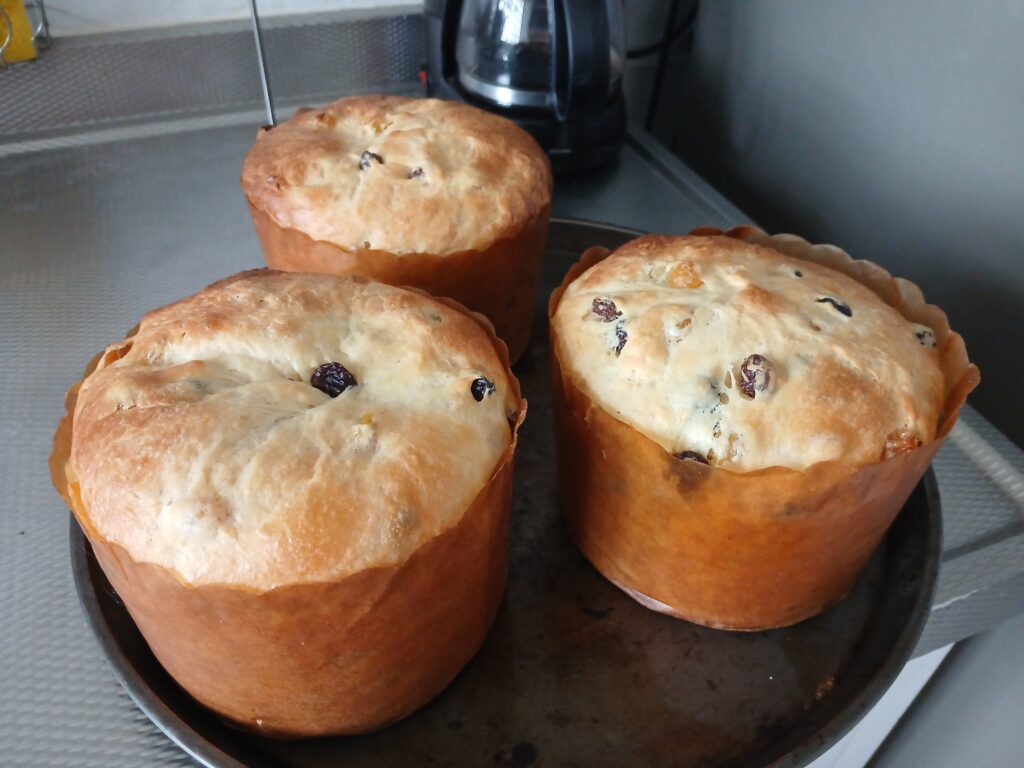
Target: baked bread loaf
[299, 486]
[747, 358]
[742, 417]
[423, 192]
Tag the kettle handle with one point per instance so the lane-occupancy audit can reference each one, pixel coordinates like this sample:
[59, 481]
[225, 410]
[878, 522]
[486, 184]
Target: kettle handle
[582, 57]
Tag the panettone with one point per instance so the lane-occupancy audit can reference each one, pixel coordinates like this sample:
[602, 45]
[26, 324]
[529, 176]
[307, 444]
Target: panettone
[299, 486]
[741, 417]
[435, 194]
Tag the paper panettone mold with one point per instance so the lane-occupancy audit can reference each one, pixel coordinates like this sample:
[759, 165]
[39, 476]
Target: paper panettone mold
[337, 656]
[737, 550]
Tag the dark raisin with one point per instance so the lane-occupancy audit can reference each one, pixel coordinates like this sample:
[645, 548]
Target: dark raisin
[605, 309]
[366, 157]
[332, 379]
[925, 337]
[265, 128]
[620, 334]
[481, 388]
[841, 308]
[798, 273]
[691, 456]
[755, 375]
[415, 173]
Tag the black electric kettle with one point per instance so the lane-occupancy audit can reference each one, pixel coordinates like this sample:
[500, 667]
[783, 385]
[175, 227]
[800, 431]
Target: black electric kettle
[552, 66]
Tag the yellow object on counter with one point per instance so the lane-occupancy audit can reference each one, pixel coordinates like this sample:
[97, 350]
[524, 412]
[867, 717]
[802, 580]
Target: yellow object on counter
[20, 47]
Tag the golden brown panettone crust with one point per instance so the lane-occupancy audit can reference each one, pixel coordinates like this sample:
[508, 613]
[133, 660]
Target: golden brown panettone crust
[839, 377]
[330, 656]
[202, 446]
[481, 178]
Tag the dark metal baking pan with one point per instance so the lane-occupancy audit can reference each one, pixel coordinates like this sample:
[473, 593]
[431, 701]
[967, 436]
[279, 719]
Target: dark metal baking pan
[574, 673]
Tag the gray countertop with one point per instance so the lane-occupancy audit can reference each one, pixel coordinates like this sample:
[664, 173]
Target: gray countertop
[94, 232]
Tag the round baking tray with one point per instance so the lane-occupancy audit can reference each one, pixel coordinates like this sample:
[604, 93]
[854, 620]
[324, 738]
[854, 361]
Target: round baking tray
[574, 673]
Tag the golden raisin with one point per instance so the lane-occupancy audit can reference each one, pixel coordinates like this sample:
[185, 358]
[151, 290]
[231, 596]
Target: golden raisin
[733, 449]
[326, 119]
[685, 274]
[899, 442]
